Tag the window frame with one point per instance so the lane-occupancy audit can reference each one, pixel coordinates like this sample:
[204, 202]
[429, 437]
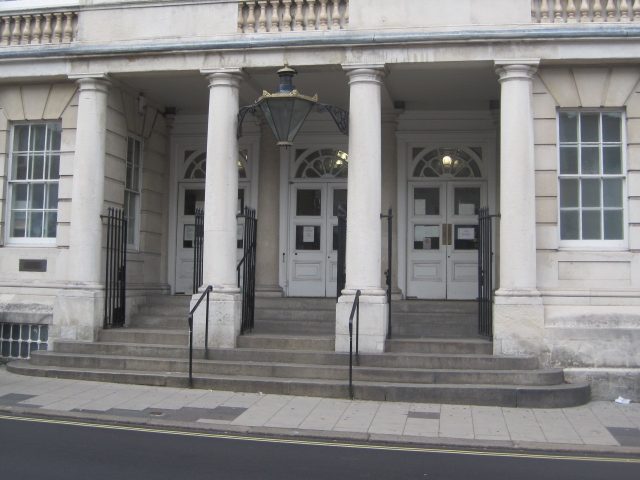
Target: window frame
[28, 241]
[593, 244]
[135, 245]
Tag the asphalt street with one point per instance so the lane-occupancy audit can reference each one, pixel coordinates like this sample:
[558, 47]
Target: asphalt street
[51, 449]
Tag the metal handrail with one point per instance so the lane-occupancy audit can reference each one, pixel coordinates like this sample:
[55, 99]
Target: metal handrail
[206, 331]
[354, 309]
[387, 273]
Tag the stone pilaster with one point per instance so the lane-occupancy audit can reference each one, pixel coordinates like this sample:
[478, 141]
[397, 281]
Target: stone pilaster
[363, 215]
[267, 257]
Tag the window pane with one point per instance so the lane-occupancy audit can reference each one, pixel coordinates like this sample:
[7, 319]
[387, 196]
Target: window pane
[193, 199]
[611, 127]
[612, 192]
[590, 161]
[36, 199]
[38, 135]
[130, 150]
[611, 160]
[18, 224]
[129, 179]
[54, 132]
[613, 225]
[136, 154]
[568, 160]
[568, 127]
[52, 196]
[591, 192]
[339, 199]
[20, 192]
[591, 225]
[569, 225]
[426, 237]
[54, 167]
[307, 237]
[35, 224]
[20, 167]
[308, 203]
[589, 127]
[136, 179]
[426, 201]
[51, 222]
[568, 193]
[21, 138]
[466, 201]
[36, 169]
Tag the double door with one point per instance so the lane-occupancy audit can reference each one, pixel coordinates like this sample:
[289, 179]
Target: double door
[190, 198]
[313, 238]
[442, 250]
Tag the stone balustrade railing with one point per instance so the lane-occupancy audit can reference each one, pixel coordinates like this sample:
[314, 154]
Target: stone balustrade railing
[585, 11]
[38, 28]
[292, 15]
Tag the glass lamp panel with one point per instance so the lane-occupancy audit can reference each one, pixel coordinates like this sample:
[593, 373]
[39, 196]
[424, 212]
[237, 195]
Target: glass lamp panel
[589, 127]
[568, 127]
[300, 112]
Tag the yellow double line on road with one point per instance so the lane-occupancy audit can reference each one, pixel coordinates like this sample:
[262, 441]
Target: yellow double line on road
[289, 441]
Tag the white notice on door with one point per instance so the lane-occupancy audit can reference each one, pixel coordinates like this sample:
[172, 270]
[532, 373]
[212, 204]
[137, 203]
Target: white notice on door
[308, 235]
[467, 233]
[420, 206]
[466, 209]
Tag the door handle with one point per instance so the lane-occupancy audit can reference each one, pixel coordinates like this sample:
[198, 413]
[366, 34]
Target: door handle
[445, 235]
[449, 234]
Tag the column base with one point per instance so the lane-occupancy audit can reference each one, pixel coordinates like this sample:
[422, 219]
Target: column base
[78, 314]
[225, 317]
[518, 323]
[373, 323]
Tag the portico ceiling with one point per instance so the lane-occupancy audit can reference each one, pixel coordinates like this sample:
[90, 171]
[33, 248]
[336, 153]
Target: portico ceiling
[450, 86]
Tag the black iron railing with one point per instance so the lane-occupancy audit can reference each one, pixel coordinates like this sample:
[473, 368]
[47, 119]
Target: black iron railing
[355, 309]
[485, 272]
[246, 269]
[204, 295]
[115, 283]
[387, 273]
[198, 244]
[341, 246]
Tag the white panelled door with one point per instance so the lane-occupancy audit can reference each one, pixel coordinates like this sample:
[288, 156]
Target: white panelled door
[313, 238]
[442, 239]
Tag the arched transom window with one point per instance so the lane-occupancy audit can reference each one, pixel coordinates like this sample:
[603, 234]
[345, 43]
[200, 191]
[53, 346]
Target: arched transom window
[459, 162]
[195, 164]
[321, 163]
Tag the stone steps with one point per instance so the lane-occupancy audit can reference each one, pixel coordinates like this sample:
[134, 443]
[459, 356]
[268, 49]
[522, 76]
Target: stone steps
[553, 396]
[291, 351]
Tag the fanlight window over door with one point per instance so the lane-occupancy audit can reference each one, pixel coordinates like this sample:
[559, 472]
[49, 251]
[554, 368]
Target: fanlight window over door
[321, 163]
[459, 162]
[195, 164]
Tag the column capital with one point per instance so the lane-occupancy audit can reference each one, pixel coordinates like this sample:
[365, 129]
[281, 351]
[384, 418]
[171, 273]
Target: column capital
[516, 69]
[365, 72]
[92, 81]
[218, 77]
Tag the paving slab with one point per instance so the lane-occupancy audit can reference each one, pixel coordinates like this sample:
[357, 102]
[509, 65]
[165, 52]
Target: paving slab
[456, 422]
[293, 413]
[260, 412]
[556, 428]
[522, 425]
[390, 418]
[489, 423]
[325, 414]
[587, 425]
[357, 417]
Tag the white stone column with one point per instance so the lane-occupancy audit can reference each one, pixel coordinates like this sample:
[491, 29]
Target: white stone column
[78, 311]
[87, 197]
[267, 257]
[518, 312]
[221, 193]
[363, 213]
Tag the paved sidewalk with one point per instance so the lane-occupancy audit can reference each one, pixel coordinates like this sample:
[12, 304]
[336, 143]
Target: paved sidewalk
[599, 427]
